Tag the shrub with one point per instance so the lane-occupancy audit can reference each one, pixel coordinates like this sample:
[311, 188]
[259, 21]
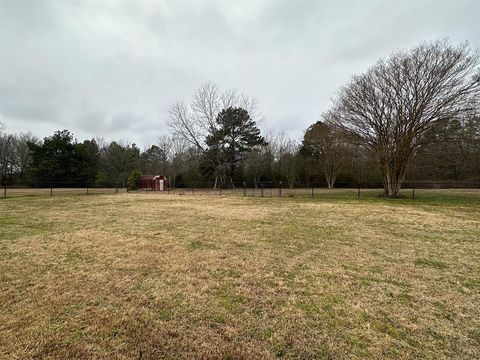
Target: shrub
[133, 179]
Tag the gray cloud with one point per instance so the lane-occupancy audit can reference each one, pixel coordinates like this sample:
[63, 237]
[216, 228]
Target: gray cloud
[112, 69]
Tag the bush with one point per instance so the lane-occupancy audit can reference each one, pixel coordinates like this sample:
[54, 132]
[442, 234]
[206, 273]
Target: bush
[133, 179]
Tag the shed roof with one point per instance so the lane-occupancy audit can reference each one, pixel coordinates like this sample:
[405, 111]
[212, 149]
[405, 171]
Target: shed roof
[150, 177]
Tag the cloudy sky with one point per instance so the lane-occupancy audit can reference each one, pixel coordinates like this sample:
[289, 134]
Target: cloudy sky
[111, 69]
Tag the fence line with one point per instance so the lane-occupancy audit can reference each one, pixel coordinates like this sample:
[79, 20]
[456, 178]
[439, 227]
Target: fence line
[53, 191]
[410, 190]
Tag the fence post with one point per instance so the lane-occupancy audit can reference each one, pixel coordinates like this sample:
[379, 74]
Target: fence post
[312, 190]
[116, 188]
[193, 189]
[244, 189]
[413, 190]
[87, 189]
[220, 190]
[4, 190]
[261, 190]
[358, 192]
[51, 189]
[280, 189]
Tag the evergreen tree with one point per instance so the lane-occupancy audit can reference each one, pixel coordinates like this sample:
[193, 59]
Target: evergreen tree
[229, 142]
[56, 160]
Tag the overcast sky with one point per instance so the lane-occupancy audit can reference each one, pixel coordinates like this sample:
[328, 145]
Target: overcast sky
[111, 69]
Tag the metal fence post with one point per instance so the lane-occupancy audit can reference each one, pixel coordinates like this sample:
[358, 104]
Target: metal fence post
[261, 190]
[413, 191]
[244, 189]
[193, 189]
[358, 192]
[4, 190]
[87, 189]
[312, 190]
[280, 189]
[51, 189]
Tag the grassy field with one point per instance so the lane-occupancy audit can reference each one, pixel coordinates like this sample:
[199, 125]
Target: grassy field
[129, 276]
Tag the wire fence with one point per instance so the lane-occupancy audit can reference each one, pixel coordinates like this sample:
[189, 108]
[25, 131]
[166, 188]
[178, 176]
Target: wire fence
[410, 190]
[57, 189]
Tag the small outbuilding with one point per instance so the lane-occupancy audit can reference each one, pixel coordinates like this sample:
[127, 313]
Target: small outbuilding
[152, 183]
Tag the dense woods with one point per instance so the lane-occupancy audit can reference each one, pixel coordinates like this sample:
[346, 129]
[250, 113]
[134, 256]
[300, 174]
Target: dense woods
[411, 117]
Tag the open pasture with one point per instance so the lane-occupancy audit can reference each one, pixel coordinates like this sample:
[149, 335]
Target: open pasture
[148, 275]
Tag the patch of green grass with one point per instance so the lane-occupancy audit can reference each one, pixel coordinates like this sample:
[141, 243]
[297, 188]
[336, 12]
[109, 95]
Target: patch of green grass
[431, 263]
[436, 335]
[76, 336]
[257, 312]
[475, 336]
[322, 353]
[387, 327]
[229, 299]
[405, 298]
[311, 310]
[74, 256]
[165, 314]
[360, 346]
[472, 283]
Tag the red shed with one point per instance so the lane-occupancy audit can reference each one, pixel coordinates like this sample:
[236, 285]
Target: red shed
[152, 182]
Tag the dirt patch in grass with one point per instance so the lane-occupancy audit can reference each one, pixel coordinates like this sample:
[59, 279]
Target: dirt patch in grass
[127, 275]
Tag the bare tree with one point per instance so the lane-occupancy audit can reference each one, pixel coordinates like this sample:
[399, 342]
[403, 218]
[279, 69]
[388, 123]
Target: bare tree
[388, 108]
[328, 146]
[7, 157]
[178, 147]
[184, 125]
[258, 163]
[22, 152]
[284, 150]
[165, 145]
[196, 122]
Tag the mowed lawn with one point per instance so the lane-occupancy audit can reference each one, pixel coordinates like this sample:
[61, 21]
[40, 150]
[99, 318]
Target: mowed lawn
[129, 276]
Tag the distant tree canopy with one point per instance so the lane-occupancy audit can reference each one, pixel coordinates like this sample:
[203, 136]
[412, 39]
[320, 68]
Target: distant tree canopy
[449, 150]
[60, 160]
[155, 160]
[57, 159]
[118, 161]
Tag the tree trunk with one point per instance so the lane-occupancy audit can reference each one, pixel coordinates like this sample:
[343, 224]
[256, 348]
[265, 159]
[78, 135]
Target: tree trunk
[330, 176]
[256, 180]
[291, 182]
[392, 181]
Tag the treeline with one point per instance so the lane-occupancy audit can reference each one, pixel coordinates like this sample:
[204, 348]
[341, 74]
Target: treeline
[322, 158]
[411, 117]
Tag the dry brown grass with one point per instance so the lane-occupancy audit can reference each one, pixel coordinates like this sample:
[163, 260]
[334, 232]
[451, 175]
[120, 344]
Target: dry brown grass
[157, 276]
